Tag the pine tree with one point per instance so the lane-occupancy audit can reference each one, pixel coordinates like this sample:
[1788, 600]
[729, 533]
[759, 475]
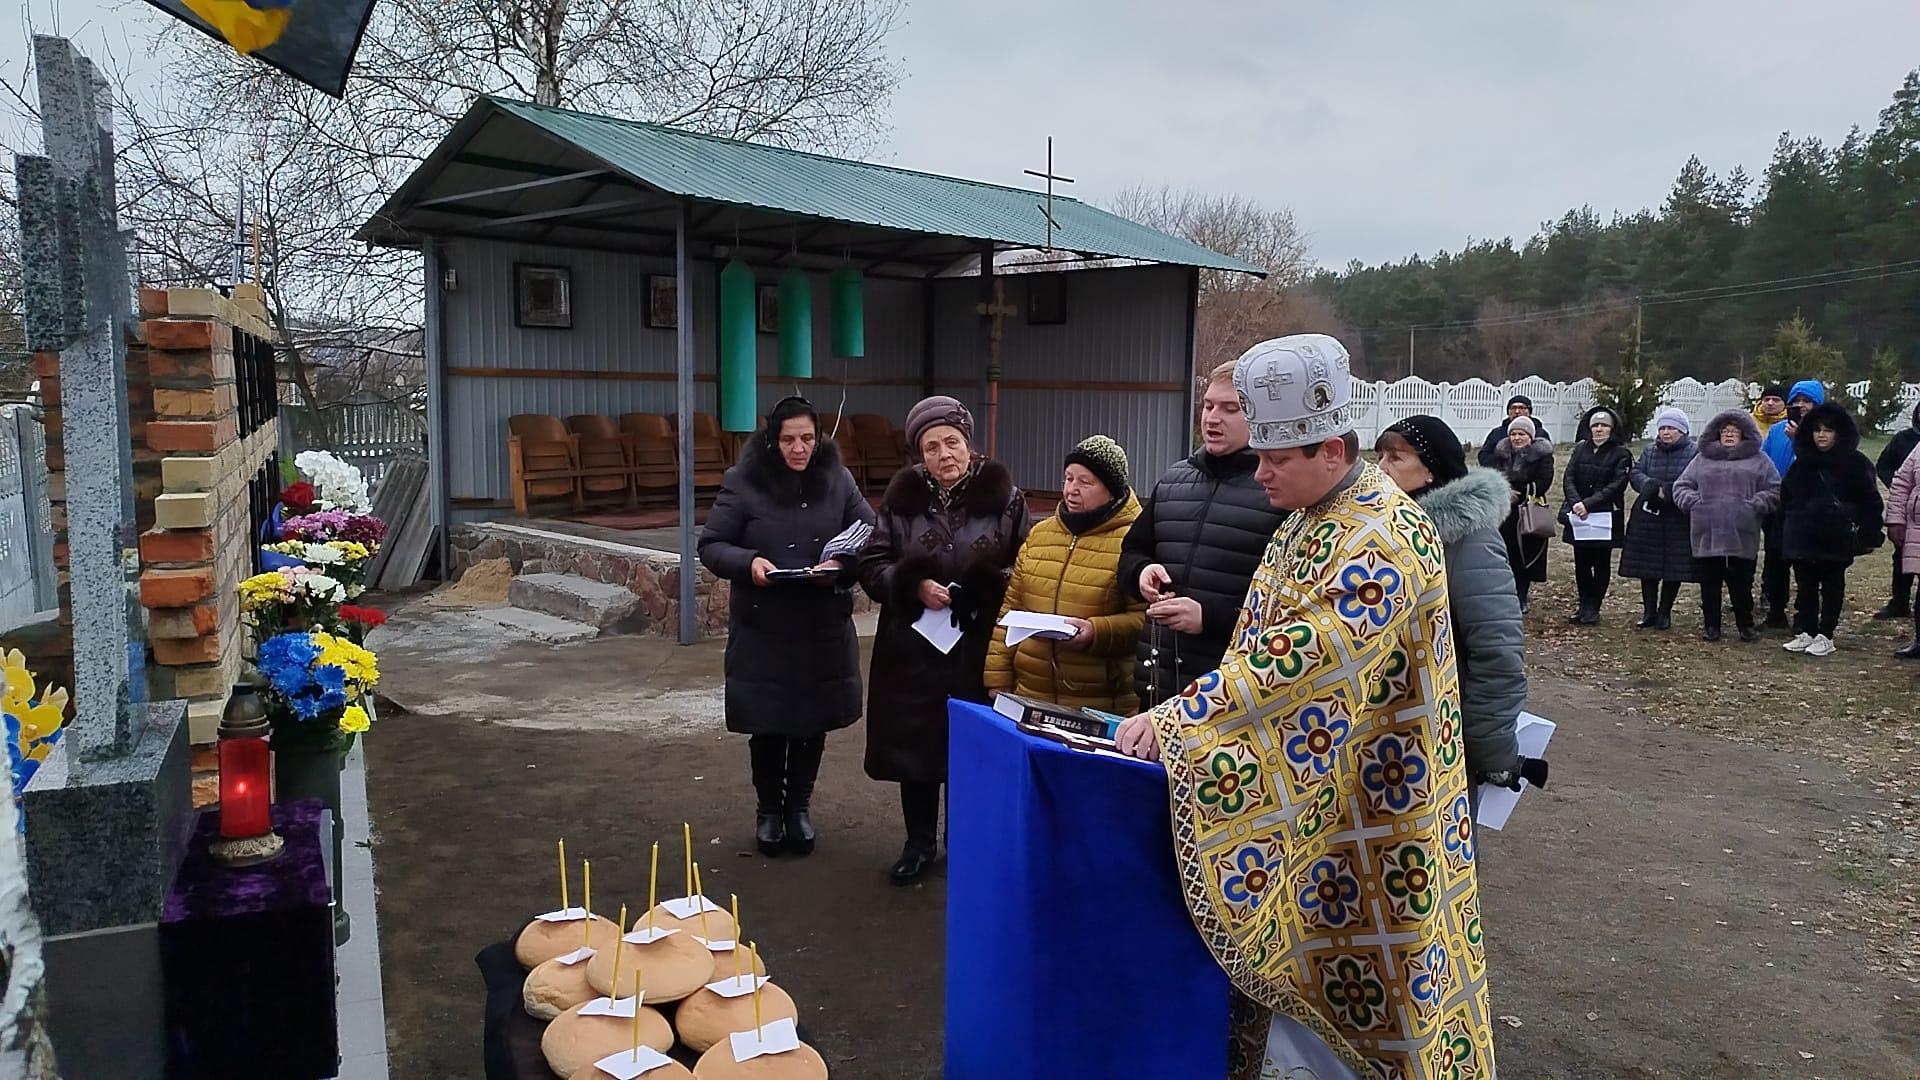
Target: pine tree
[1796, 354]
[1881, 402]
[1633, 390]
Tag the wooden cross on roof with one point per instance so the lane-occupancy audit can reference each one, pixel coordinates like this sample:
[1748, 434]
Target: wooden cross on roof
[1046, 209]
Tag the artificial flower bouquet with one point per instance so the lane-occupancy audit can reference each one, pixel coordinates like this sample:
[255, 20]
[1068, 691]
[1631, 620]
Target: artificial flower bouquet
[292, 598]
[345, 561]
[314, 682]
[33, 724]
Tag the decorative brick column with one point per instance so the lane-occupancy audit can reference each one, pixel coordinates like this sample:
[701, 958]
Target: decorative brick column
[213, 435]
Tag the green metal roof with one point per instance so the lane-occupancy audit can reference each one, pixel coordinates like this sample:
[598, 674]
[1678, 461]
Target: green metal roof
[727, 171]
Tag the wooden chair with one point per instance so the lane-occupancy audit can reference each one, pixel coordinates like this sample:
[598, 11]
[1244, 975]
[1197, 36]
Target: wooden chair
[656, 475]
[543, 460]
[712, 453]
[606, 462]
[882, 447]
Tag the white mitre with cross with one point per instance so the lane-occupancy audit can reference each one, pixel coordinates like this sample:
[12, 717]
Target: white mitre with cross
[1295, 391]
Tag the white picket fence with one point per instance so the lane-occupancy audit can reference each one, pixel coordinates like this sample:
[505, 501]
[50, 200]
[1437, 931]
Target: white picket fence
[1473, 407]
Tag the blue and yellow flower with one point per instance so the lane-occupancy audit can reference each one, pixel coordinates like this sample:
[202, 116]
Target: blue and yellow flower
[1368, 593]
[1396, 773]
[1322, 733]
[1330, 894]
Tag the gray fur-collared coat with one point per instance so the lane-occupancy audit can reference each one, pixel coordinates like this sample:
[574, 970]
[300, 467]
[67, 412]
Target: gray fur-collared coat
[1488, 636]
[1728, 491]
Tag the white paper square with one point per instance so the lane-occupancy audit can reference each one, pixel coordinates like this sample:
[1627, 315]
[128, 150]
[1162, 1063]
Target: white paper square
[737, 986]
[572, 914]
[688, 907]
[1497, 803]
[647, 935]
[776, 1038]
[628, 1064]
[720, 945]
[620, 1007]
[574, 957]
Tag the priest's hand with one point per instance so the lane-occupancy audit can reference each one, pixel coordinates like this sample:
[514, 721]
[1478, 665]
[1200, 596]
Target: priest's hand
[1152, 580]
[761, 567]
[1180, 613]
[1082, 638]
[1136, 738]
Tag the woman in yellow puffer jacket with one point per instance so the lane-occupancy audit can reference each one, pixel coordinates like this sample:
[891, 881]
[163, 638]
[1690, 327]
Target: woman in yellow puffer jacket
[1069, 566]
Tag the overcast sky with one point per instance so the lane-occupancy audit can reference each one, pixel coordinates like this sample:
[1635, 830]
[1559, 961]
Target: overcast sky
[1389, 126]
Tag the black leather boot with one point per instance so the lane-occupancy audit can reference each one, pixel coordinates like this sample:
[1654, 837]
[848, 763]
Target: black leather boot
[1912, 651]
[769, 756]
[1649, 606]
[920, 805]
[803, 767]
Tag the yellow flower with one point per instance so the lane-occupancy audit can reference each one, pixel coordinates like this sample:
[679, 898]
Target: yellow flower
[354, 720]
[350, 551]
[262, 590]
[45, 718]
[36, 721]
[358, 663]
[16, 687]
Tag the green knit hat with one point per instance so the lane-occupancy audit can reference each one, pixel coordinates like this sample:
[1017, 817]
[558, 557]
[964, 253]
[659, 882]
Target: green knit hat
[1103, 458]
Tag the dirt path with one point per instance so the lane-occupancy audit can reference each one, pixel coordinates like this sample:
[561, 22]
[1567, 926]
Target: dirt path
[1656, 887]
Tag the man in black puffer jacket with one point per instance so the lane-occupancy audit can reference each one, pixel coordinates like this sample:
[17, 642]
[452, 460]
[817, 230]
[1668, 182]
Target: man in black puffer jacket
[1192, 552]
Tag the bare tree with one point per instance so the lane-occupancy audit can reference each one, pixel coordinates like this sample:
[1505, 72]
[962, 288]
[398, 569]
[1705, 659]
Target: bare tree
[1236, 310]
[227, 132]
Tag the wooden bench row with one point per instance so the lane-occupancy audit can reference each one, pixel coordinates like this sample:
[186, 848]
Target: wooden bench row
[595, 459]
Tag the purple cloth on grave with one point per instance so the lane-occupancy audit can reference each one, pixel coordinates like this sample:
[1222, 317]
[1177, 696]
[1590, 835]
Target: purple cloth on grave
[247, 954]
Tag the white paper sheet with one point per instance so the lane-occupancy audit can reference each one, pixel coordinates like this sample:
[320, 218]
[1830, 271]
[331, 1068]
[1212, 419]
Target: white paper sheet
[688, 907]
[624, 1008]
[647, 935]
[572, 914]
[776, 1038]
[738, 986]
[628, 1064]
[716, 945]
[574, 957]
[939, 628]
[1022, 625]
[1497, 803]
[1595, 526]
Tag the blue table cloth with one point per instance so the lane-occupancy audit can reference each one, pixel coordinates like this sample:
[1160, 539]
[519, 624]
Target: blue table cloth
[1070, 952]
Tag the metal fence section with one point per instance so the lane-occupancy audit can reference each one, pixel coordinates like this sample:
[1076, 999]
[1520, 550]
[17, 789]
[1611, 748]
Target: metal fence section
[28, 584]
[367, 433]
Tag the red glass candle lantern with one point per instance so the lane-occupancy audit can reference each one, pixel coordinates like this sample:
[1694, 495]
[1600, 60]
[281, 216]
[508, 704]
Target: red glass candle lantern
[246, 782]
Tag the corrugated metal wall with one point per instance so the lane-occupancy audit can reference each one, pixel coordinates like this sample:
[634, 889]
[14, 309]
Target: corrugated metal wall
[1122, 326]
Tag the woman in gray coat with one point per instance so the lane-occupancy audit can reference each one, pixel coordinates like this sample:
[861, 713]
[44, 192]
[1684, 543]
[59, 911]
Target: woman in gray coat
[1426, 460]
[1658, 550]
[1727, 491]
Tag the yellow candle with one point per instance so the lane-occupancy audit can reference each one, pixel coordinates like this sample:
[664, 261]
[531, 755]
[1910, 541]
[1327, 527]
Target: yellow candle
[699, 891]
[636, 1016]
[687, 831]
[613, 990]
[756, 995]
[563, 873]
[653, 885]
[586, 886]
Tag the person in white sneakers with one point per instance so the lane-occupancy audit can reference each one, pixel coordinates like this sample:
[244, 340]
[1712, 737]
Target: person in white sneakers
[1831, 512]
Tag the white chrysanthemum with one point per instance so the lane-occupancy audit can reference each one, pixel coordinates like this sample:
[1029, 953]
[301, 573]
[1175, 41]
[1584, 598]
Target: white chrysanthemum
[322, 553]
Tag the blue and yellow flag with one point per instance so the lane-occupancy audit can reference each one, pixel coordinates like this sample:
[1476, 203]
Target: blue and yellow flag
[247, 25]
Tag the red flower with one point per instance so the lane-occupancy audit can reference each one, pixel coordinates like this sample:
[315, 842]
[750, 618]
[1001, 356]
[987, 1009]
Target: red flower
[365, 616]
[297, 497]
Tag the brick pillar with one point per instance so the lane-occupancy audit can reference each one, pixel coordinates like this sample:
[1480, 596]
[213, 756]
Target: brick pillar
[200, 544]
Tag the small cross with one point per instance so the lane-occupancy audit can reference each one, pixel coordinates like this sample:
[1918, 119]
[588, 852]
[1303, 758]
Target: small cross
[1046, 211]
[1272, 381]
[998, 311]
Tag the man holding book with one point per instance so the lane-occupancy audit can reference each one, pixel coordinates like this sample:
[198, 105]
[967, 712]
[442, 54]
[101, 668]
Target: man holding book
[1317, 778]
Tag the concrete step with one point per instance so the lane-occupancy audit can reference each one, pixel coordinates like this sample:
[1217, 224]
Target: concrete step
[606, 608]
[539, 626]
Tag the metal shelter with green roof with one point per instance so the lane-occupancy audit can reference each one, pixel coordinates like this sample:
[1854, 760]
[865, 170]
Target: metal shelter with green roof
[1100, 337]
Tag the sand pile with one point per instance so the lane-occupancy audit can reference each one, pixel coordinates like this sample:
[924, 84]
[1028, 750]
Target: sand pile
[483, 585]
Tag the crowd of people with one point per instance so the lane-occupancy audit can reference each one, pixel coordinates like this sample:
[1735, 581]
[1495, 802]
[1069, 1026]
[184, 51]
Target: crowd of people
[1275, 594]
[1792, 504]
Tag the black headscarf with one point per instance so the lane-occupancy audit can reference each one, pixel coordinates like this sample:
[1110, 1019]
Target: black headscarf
[1436, 444]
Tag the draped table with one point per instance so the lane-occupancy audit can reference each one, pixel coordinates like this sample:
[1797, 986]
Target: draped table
[1070, 951]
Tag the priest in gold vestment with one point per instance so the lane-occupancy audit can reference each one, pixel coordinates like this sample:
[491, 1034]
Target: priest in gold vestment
[1318, 780]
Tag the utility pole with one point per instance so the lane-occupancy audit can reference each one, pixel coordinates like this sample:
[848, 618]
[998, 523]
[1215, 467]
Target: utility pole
[1409, 352]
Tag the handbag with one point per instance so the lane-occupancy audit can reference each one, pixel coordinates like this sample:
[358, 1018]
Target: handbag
[1859, 541]
[1532, 518]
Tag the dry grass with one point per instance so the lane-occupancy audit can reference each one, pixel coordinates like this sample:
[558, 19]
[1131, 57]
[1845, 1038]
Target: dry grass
[1858, 709]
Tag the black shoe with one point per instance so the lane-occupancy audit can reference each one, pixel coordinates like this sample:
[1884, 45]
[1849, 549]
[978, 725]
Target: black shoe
[1749, 635]
[1648, 620]
[1776, 619]
[1711, 633]
[1911, 652]
[1894, 610]
[914, 860]
[769, 831]
[1582, 615]
[800, 834]
[1663, 621]
[1590, 614]
[1523, 605]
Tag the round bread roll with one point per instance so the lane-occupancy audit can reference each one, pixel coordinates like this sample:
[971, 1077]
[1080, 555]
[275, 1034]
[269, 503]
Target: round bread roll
[672, 1070]
[542, 941]
[706, 1018]
[802, 1064]
[719, 924]
[574, 1042]
[553, 988]
[670, 968]
[723, 962]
